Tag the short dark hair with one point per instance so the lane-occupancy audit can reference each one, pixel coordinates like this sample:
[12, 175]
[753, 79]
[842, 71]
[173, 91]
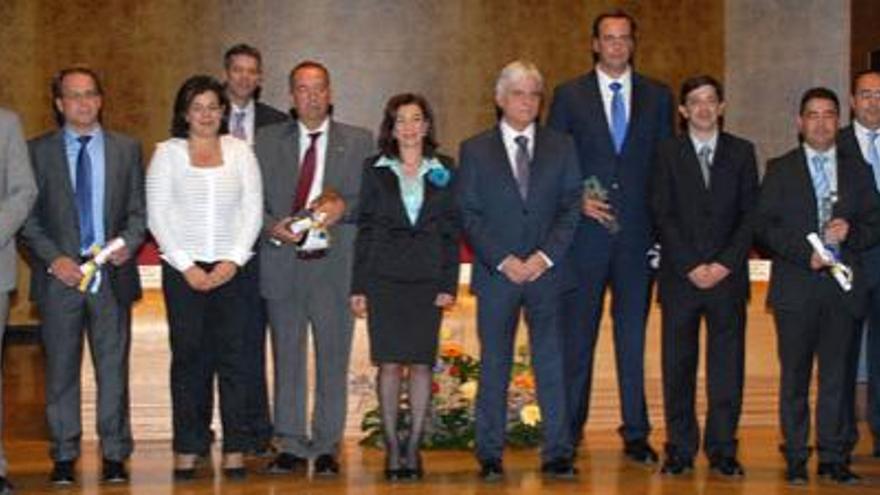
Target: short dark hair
[695, 82]
[860, 74]
[58, 87]
[191, 88]
[242, 49]
[387, 143]
[614, 14]
[819, 93]
[308, 64]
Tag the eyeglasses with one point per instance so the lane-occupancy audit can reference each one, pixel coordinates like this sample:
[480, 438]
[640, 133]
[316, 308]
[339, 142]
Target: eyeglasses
[868, 94]
[85, 95]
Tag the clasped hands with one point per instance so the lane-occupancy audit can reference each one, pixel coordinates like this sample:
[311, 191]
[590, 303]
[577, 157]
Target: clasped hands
[202, 280]
[65, 269]
[329, 203]
[521, 271]
[836, 232]
[708, 275]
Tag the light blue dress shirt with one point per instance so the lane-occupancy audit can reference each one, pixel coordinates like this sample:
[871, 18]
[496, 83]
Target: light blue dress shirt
[95, 149]
[412, 189]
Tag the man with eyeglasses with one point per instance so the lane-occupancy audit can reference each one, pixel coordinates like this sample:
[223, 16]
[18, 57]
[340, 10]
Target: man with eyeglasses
[617, 117]
[817, 212]
[862, 139]
[91, 195]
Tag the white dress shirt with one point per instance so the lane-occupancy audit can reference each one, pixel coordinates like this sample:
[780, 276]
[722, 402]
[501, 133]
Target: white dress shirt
[605, 81]
[249, 123]
[205, 214]
[712, 143]
[321, 149]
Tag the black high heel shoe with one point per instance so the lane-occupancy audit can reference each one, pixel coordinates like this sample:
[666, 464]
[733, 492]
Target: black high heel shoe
[395, 474]
[415, 472]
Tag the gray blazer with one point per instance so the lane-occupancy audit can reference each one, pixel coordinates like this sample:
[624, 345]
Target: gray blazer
[52, 229]
[277, 149]
[17, 193]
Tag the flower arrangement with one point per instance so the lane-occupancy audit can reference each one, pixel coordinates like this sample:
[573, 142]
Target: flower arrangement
[455, 387]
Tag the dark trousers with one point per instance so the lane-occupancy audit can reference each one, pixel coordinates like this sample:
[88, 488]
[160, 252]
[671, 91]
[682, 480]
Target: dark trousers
[257, 420]
[822, 330]
[498, 310]
[627, 275]
[207, 340]
[874, 365]
[725, 335]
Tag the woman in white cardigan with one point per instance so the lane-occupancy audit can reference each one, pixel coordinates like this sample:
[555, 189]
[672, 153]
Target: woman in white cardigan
[204, 201]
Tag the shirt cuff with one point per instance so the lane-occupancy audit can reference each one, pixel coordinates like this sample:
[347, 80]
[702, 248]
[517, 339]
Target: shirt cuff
[179, 260]
[546, 258]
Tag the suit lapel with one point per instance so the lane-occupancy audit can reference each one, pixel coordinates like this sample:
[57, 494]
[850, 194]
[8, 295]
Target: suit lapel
[691, 169]
[334, 157]
[636, 109]
[112, 178]
[805, 183]
[498, 157]
[62, 168]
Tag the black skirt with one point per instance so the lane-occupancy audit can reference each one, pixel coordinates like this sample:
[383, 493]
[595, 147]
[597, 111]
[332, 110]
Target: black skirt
[403, 322]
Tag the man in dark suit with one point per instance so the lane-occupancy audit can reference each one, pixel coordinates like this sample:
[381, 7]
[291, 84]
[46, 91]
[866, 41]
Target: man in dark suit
[91, 192]
[862, 139]
[17, 193]
[703, 189]
[301, 160]
[616, 117]
[816, 188]
[244, 73]
[518, 190]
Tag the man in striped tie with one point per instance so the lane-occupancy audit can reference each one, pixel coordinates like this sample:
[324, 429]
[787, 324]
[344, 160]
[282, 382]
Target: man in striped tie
[816, 188]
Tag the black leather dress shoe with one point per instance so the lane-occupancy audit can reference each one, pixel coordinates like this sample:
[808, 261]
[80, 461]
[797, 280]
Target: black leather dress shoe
[286, 463]
[491, 470]
[640, 451]
[560, 468]
[837, 472]
[62, 473]
[727, 466]
[113, 472]
[326, 465]
[796, 473]
[5, 486]
[676, 465]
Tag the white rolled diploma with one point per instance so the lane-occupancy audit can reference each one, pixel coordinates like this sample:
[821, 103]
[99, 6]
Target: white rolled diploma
[841, 273]
[90, 268]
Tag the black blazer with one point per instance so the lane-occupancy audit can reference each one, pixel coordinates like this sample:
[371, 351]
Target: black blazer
[389, 247]
[786, 213]
[848, 143]
[265, 115]
[699, 225]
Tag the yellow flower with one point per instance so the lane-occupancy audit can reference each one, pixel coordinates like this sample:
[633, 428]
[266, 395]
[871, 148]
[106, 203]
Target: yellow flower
[468, 390]
[530, 415]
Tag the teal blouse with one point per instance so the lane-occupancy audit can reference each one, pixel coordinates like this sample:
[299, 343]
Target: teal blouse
[412, 189]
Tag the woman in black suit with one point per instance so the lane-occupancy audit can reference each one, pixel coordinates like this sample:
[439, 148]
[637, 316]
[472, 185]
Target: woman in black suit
[406, 266]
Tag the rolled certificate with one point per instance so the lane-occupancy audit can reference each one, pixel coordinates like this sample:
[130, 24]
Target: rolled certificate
[841, 273]
[90, 268]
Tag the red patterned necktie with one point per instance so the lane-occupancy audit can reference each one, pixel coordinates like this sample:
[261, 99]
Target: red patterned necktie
[306, 174]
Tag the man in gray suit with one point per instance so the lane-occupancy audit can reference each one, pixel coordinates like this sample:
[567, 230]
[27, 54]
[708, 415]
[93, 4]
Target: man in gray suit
[17, 193]
[302, 161]
[91, 193]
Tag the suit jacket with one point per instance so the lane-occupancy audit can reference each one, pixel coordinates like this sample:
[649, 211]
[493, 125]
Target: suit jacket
[52, 229]
[497, 221]
[389, 247]
[577, 109]
[848, 143]
[786, 213]
[265, 115]
[17, 193]
[277, 149]
[700, 225]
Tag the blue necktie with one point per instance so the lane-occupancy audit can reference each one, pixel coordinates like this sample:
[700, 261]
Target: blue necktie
[822, 188]
[618, 116]
[874, 156]
[84, 196]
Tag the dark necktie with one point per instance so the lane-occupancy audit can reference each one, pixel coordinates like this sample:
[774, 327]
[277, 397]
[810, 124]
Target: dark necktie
[306, 173]
[705, 163]
[84, 195]
[522, 164]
